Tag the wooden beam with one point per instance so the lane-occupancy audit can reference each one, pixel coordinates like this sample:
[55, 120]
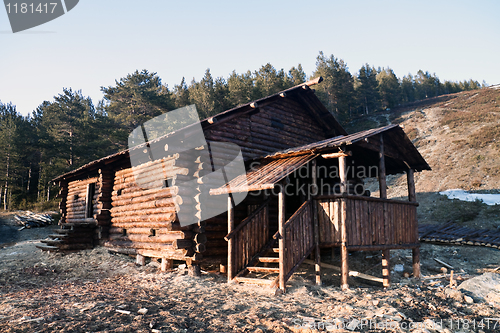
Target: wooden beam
[166, 264]
[336, 155]
[411, 185]
[351, 273]
[344, 254]
[314, 81]
[416, 262]
[230, 243]
[381, 170]
[386, 262]
[314, 204]
[281, 241]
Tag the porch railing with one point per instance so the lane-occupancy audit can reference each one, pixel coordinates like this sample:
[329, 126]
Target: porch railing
[370, 222]
[249, 237]
[298, 240]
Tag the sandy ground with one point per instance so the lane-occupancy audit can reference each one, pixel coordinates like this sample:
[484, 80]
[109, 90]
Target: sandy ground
[96, 291]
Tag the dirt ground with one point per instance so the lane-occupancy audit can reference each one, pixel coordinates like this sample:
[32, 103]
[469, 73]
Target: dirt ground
[96, 291]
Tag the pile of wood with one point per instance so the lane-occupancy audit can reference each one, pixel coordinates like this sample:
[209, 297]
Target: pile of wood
[32, 220]
[455, 234]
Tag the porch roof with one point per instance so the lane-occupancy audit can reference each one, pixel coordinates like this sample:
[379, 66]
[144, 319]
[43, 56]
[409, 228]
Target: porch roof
[399, 151]
[264, 175]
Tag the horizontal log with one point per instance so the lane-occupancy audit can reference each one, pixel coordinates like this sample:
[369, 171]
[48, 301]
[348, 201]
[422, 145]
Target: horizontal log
[171, 226]
[165, 160]
[79, 220]
[200, 238]
[148, 211]
[137, 190]
[161, 239]
[146, 246]
[144, 198]
[200, 248]
[162, 203]
[158, 183]
[170, 255]
[145, 218]
[158, 231]
[152, 175]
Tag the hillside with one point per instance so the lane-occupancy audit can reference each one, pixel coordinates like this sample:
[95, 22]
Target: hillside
[459, 136]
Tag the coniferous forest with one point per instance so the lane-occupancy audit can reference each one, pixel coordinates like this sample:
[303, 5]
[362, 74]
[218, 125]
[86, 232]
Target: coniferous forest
[69, 130]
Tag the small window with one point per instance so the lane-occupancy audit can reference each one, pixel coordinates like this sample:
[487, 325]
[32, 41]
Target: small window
[165, 182]
[119, 192]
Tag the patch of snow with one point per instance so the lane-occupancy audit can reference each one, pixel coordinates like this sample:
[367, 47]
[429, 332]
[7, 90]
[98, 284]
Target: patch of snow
[489, 199]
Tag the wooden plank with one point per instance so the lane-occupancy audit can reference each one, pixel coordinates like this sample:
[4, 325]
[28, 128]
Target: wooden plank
[386, 254]
[281, 241]
[230, 246]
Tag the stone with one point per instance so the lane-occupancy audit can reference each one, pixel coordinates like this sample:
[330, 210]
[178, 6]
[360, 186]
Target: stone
[468, 299]
[453, 293]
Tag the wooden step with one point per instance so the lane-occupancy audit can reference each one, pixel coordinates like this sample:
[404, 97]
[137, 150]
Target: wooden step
[52, 241]
[254, 281]
[269, 259]
[276, 250]
[263, 269]
[58, 236]
[47, 247]
[63, 231]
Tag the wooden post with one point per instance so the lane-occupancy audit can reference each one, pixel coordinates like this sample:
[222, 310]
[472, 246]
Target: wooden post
[381, 170]
[413, 198]
[411, 185]
[140, 260]
[281, 241]
[314, 209]
[166, 264]
[230, 243]
[416, 262]
[386, 262]
[344, 254]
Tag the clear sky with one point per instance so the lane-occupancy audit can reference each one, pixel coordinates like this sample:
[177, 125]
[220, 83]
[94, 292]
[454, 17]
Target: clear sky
[100, 41]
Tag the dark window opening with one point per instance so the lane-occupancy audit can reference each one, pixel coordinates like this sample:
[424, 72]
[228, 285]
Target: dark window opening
[89, 204]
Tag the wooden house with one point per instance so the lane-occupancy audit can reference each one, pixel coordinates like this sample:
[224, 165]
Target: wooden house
[301, 194]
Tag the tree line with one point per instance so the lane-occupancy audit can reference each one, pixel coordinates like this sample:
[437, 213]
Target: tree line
[70, 130]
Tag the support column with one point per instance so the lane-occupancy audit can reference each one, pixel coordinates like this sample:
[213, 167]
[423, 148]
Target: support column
[166, 264]
[230, 242]
[412, 197]
[314, 209]
[386, 264]
[140, 260]
[381, 170]
[344, 254]
[281, 239]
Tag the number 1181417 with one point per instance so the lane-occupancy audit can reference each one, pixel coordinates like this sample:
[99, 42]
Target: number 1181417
[25, 8]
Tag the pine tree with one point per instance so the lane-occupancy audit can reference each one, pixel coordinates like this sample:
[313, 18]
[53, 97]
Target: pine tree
[337, 89]
[389, 88]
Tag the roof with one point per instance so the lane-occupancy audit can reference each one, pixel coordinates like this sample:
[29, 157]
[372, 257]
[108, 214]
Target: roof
[399, 152]
[265, 175]
[301, 93]
[397, 146]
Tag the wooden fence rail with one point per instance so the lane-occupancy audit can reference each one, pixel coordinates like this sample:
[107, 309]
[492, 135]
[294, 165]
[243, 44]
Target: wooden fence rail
[370, 222]
[298, 236]
[249, 237]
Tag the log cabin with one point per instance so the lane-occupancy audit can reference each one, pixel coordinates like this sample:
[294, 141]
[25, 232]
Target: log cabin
[302, 192]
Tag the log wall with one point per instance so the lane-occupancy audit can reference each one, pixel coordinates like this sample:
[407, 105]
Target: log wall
[371, 223]
[277, 126]
[76, 201]
[144, 207]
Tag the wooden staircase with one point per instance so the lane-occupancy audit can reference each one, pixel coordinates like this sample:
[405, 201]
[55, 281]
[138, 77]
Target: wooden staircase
[263, 269]
[71, 236]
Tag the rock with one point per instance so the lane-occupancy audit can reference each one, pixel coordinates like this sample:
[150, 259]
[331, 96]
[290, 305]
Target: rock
[455, 294]
[375, 302]
[468, 299]
[399, 268]
[142, 311]
[485, 287]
